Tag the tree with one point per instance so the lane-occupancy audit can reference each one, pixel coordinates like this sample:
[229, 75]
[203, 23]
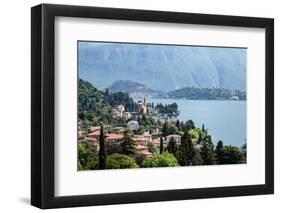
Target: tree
[207, 151]
[151, 147]
[119, 161]
[220, 152]
[196, 159]
[84, 156]
[172, 146]
[112, 148]
[178, 124]
[168, 128]
[161, 145]
[93, 164]
[102, 151]
[244, 153]
[189, 125]
[232, 155]
[199, 138]
[139, 158]
[186, 150]
[203, 127]
[164, 160]
[128, 145]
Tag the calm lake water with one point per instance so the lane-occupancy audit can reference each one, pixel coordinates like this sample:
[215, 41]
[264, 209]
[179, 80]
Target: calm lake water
[225, 120]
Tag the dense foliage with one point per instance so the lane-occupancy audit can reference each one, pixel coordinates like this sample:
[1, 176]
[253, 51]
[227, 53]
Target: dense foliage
[169, 109]
[164, 160]
[119, 161]
[95, 105]
[194, 93]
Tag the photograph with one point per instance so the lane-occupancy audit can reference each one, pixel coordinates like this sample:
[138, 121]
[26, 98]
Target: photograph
[133, 105]
[160, 105]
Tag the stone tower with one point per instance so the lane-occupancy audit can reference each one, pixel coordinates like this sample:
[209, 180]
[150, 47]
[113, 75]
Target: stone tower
[144, 106]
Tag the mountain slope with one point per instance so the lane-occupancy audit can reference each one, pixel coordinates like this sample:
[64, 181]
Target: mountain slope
[162, 67]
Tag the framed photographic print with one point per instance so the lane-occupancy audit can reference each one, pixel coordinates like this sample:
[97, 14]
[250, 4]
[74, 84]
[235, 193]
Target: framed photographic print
[139, 106]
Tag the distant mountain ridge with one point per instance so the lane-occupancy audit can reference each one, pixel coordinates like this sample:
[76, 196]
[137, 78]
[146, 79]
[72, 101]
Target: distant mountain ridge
[162, 67]
[135, 89]
[128, 86]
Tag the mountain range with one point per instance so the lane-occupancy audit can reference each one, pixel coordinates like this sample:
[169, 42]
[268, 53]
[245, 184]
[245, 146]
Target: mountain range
[162, 67]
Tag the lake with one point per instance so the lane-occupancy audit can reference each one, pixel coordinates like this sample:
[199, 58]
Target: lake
[225, 120]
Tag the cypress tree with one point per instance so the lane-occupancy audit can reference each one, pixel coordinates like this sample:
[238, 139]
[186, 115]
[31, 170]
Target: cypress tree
[220, 153]
[203, 127]
[178, 124]
[128, 145]
[172, 146]
[207, 151]
[186, 150]
[161, 145]
[102, 151]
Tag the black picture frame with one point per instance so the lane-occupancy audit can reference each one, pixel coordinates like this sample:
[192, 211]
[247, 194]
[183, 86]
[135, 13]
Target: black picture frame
[43, 102]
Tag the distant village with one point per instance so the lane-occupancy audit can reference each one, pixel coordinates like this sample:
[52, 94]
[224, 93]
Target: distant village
[115, 134]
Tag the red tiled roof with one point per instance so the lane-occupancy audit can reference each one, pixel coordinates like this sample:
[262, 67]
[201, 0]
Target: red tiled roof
[114, 136]
[94, 134]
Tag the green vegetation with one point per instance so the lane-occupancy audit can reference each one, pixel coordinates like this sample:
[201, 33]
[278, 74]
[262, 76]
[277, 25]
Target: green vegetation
[186, 150]
[169, 129]
[171, 143]
[194, 93]
[119, 161]
[128, 145]
[86, 158]
[164, 160]
[207, 151]
[95, 105]
[230, 154]
[169, 109]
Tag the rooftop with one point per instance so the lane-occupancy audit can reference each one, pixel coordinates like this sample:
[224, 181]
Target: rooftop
[114, 136]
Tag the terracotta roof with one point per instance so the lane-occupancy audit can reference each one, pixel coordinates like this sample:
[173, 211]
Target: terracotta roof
[114, 136]
[94, 134]
[141, 147]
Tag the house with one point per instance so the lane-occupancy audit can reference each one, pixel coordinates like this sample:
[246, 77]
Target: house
[234, 97]
[114, 138]
[94, 134]
[142, 139]
[156, 142]
[143, 150]
[127, 115]
[118, 110]
[118, 129]
[177, 138]
[133, 125]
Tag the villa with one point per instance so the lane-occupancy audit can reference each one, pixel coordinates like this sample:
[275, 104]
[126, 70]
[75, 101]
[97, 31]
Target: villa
[114, 138]
[133, 125]
[177, 138]
[142, 139]
[143, 150]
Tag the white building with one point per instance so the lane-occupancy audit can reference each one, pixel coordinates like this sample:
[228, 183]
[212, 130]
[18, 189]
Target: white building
[133, 125]
[177, 138]
[118, 111]
[127, 115]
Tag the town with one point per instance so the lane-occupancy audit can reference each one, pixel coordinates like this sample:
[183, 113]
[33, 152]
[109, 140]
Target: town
[116, 132]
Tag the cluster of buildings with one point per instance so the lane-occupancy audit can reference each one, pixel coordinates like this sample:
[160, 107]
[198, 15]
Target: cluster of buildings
[115, 135]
